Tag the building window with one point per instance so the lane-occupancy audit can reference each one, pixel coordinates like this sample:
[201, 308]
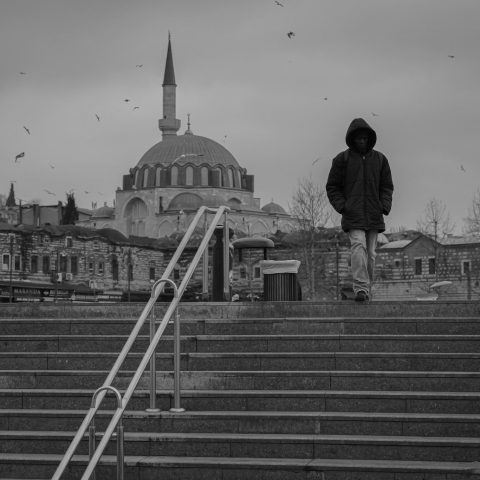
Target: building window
[230, 178]
[189, 175]
[145, 178]
[418, 266]
[63, 263]
[91, 266]
[257, 272]
[101, 268]
[130, 272]
[152, 273]
[243, 272]
[34, 264]
[176, 273]
[431, 266]
[74, 265]
[158, 172]
[5, 262]
[466, 268]
[69, 242]
[397, 263]
[46, 264]
[46, 239]
[115, 269]
[17, 262]
[174, 175]
[204, 177]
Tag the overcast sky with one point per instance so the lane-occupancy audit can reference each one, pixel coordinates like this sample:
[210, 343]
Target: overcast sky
[281, 105]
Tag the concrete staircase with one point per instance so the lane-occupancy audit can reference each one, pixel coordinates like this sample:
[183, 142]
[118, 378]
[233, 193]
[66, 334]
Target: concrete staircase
[301, 390]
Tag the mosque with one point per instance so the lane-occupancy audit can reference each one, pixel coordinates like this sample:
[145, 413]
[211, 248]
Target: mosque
[163, 191]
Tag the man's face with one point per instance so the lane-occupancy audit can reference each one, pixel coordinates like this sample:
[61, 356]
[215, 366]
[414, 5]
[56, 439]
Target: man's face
[360, 141]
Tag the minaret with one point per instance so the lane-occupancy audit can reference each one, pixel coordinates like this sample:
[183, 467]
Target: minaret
[169, 125]
[11, 198]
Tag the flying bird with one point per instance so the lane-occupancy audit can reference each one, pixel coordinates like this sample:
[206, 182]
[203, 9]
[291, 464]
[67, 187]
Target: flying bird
[278, 3]
[52, 166]
[20, 155]
[98, 118]
[127, 100]
[26, 129]
[86, 192]
[374, 114]
[290, 34]
[134, 108]
[49, 192]
[451, 56]
[139, 66]
[462, 168]
[325, 98]
[23, 73]
[316, 160]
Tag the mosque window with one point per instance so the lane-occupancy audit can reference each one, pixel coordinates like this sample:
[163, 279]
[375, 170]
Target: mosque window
[45, 264]
[204, 176]
[238, 183]
[189, 175]
[157, 176]
[174, 175]
[145, 178]
[34, 264]
[114, 269]
[135, 182]
[230, 178]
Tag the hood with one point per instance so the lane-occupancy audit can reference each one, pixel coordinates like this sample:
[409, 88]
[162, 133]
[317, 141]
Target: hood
[360, 124]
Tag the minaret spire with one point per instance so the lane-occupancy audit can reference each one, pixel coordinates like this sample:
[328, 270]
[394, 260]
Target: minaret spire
[169, 125]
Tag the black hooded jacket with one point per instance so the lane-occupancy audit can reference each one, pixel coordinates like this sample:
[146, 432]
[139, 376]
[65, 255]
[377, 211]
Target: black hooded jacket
[360, 186]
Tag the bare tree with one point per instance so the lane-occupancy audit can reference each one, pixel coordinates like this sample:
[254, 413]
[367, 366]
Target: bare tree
[436, 221]
[435, 224]
[311, 209]
[472, 222]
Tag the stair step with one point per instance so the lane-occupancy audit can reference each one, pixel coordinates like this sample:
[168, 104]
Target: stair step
[247, 343]
[255, 400]
[461, 449]
[227, 468]
[328, 423]
[253, 380]
[259, 326]
[248, 361]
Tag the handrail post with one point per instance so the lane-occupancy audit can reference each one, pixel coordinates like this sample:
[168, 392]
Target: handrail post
[176, 365]
[205, 264]
[153, 368]
[226, 258]
[92, 433]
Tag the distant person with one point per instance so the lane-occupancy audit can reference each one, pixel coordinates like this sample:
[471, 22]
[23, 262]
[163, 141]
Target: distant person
[360, 188]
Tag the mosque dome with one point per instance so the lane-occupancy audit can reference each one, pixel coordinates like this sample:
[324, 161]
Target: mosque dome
[104, 212]
[188, 148]
[274, 209]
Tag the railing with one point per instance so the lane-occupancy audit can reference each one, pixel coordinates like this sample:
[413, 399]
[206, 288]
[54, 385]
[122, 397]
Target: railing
[157, 289]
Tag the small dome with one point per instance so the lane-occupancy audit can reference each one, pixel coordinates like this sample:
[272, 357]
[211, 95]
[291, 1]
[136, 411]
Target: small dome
[188, 148]
[104, 212]
[274, 208]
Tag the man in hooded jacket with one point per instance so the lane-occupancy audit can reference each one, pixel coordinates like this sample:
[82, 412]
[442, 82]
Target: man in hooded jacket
[360, 188]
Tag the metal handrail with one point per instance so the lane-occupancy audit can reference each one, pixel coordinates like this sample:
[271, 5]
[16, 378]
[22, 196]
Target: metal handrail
[156, 291]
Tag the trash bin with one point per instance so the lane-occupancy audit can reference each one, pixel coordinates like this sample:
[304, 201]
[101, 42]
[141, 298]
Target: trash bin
[280, 281]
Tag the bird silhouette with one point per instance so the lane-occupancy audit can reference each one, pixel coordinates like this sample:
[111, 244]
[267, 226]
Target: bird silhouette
[325, 98]
[86, 192]
[278, 3]
[20, 155]
[374, 114]
[98, 118]
[26, 129]
[23, 73]
[290, 34]
[451, 56]
[49, 192]
[139, 66]
[127, 100]
[135, 108]
[52, 166]
[316, 160]
[462, 168]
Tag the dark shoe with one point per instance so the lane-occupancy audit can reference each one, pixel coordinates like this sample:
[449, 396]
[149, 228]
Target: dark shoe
[361, 296]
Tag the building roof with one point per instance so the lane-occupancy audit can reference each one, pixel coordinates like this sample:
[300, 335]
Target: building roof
[396, 244]
[188, 148]
[274, 208]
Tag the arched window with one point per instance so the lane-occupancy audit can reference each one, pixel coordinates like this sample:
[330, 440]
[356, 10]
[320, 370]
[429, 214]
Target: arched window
[230, 178]
[204, 176]
[189, 175]
[145, 178]
[135, 182]
[174, 175]
[157, 176]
